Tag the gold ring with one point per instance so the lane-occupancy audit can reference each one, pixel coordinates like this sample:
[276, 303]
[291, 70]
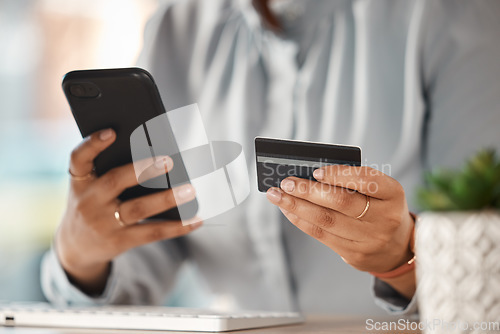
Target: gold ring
[81, 178]
[366, 208]
[118, 217]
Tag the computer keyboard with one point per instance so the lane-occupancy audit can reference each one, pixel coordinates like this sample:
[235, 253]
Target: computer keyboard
[140, 318]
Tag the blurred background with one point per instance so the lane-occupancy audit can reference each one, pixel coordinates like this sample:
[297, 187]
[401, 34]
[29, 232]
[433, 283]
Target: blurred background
[40, 41]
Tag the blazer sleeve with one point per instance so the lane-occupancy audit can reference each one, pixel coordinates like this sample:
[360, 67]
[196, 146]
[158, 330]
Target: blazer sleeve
[462, 81]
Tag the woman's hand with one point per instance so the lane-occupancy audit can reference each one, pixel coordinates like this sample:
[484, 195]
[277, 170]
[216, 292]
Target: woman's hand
[327, 210]
[90, 236]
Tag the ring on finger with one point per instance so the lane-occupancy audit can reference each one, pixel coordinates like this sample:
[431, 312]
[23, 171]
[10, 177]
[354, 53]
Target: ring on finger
[118, 217]
[367, 206]
[85, 177]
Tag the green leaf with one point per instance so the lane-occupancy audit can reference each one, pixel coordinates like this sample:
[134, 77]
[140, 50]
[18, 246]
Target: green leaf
[476, 186]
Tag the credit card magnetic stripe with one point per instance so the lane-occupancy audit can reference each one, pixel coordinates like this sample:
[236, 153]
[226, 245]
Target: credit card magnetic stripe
[306, 150]
[299, 162]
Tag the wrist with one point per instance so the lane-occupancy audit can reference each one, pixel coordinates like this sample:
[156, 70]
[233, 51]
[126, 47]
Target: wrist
[407, 259]
[91, 278]
[402, 278]
[404, 268]
[404, 284]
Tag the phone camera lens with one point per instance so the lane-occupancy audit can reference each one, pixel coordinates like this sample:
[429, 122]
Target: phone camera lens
[86, 90]
[77, 90]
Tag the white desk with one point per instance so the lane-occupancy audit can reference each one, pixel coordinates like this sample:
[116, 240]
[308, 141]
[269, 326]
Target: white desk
[314, 324]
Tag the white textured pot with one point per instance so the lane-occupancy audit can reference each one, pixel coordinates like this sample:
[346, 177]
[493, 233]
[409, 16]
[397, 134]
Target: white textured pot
[458, 270]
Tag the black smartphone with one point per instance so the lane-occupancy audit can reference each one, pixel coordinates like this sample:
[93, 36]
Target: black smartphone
[123, 100]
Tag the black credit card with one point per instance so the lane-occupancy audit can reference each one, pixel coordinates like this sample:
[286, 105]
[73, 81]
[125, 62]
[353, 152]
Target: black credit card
[278, 159]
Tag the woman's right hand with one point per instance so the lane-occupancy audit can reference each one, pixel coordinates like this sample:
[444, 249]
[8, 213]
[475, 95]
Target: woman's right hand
[90, 236]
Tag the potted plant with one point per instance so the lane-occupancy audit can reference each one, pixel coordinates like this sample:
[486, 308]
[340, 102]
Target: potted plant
[458, 247]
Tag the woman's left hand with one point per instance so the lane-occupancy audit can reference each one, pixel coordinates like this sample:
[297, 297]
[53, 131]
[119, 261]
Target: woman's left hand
[328, 209]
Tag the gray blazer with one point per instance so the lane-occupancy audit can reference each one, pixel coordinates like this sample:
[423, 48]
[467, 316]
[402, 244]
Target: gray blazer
[414, 83]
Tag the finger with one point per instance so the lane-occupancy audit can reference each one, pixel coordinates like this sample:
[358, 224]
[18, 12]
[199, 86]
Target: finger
[82, 157]
[141, 234]
[349, 202]
[365, 180]
[332, 221]
[114, 182]
[352, 252]
[338, 244]
[135, 210]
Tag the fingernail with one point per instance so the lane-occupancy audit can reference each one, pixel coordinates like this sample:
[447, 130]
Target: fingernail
[319, 174]
[183, 192]
[106, 134]
[164, 162]
[273, 195]
[287, 185]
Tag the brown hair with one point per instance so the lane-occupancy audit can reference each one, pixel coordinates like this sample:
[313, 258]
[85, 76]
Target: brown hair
[268, 17]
